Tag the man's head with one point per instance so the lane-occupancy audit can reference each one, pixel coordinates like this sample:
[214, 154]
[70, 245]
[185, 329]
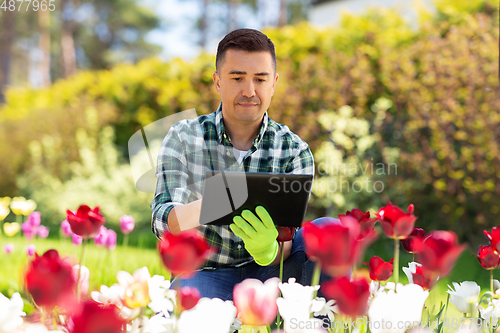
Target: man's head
[249, 40]
[245, 77]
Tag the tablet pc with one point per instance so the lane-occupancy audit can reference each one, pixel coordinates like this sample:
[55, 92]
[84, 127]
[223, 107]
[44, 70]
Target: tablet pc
[227, 193]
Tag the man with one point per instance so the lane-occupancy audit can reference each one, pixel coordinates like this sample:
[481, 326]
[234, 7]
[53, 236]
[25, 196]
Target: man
[238, 136]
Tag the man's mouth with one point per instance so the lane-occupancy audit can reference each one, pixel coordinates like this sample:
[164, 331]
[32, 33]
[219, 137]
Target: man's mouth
[247, 105]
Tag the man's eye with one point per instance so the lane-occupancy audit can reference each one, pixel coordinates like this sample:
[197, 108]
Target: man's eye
[237, 78]
[261, 80]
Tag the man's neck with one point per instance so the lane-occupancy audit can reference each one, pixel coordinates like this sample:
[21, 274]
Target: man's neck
[242, 135]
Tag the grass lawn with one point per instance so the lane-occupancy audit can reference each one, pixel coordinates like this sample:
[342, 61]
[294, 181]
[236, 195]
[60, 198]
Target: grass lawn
[102, 263]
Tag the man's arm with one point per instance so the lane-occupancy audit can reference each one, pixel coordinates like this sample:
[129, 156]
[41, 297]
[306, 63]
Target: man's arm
[183, 217]
[170, 208]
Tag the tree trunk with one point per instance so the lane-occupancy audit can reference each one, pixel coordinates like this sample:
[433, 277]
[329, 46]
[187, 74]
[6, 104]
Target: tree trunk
[67, 40]
[283, 19]
[44, 45]
[6, 50]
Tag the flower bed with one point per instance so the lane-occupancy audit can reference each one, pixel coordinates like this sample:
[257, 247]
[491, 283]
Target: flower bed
[140, 302]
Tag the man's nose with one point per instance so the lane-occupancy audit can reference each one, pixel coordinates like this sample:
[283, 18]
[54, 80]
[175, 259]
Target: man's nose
[248, 89]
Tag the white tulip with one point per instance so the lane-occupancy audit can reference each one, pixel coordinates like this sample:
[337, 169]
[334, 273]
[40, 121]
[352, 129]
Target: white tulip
[210, 315]
[322, 308]
[465, 295]
[491, 312]
[293, 291]
[395, 312]
[155, 324]
[409, 271]
[11, 312]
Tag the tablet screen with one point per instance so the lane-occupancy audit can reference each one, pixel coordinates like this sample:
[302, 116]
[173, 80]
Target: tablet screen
[226, 194]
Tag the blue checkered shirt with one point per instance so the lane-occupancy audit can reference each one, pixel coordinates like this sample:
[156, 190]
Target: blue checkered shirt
[193, 147]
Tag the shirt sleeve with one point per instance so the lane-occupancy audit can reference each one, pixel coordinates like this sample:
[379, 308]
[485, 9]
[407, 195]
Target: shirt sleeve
[172, 176]
[302, 163]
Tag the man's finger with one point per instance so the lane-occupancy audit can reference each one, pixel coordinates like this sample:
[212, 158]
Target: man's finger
[237, 231]
[265, 217]
[245, 227]
[254, 221]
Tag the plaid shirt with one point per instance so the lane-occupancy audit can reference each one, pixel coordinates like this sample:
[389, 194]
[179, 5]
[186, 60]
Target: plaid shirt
[193, 147]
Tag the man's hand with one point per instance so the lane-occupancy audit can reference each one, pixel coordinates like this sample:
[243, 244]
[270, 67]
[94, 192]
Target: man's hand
[258, 233]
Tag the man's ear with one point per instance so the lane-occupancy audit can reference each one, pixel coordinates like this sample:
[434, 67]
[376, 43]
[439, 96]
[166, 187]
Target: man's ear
[216, 79]
[275, 82]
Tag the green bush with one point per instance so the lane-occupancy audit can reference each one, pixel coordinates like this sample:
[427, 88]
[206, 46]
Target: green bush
[99, 178]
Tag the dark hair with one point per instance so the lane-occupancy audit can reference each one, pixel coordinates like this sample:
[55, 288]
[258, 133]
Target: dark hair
[249, 40]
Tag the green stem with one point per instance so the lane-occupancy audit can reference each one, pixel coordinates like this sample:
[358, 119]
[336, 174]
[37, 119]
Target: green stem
[125, 241]
[396, 261]
[491, 282]
[493, 292]
[281, 280]
[19, 219]
[315, 277]
[84, 241]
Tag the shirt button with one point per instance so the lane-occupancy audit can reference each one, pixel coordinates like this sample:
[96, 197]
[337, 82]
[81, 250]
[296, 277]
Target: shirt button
[239, 246]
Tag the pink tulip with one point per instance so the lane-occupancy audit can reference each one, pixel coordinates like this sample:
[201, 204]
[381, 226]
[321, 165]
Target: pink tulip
[34, 219]
[127, 224]
[84, 278]
[110, 240]
[28, 230]
[100, 238]
[42, 231]
[66, 228]
[30, 250]
[256, 301]
[8, 248]
[77, 240]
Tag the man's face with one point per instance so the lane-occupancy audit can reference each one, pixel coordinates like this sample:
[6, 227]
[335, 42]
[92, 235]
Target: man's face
[246, 83]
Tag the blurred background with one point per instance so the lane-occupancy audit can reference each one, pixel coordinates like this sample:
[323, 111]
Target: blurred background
[398, 100]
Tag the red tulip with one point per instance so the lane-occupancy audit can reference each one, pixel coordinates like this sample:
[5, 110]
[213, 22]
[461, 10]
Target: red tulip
[185, 252]
[494, 238]
[351, 296]
[95, 318]
[395, 222]
[407, 243]
[438, 252]
[379, 269]
[363, 219]
[487, 257]
[188, 297]
[285, 233]
[368, 233]
[334, 245]
[50, 281]
[86, 222]
[424, 278]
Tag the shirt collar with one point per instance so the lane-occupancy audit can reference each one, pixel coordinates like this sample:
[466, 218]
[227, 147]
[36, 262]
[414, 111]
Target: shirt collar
[221, 131]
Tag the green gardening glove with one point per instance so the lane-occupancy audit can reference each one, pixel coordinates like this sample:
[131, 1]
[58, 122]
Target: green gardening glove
[258, 233]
